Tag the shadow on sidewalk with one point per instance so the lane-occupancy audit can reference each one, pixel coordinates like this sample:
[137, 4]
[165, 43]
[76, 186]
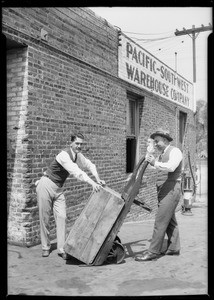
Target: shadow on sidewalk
[53, 247]
[131, 253]
[128, 252]
[138, 243]
[74, 261]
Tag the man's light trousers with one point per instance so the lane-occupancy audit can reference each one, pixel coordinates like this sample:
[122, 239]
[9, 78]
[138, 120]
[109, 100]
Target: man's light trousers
[50, 197]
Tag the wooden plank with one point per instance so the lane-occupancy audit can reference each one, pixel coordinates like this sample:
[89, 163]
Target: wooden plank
[94, 223]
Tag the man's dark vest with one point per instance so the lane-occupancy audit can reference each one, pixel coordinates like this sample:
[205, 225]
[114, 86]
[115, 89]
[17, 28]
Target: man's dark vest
[56, 172]
[163, 175]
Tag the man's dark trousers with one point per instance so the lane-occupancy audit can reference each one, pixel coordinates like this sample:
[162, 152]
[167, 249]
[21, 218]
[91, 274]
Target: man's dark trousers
[165, 221]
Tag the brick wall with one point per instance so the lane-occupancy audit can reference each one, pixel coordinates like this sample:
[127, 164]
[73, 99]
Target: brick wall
[76, 31]
[69, 83]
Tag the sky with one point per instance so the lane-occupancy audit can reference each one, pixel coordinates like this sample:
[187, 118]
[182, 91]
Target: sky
[153, 29]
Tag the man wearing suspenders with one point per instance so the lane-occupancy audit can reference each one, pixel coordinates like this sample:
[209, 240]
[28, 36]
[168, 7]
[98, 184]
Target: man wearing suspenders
[70, 161]
[169, 166]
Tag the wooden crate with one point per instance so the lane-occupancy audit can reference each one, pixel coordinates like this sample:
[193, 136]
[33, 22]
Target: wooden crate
[94, 225]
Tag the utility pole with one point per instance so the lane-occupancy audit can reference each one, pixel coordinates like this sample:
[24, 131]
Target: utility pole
[176, 63]
[193, 32]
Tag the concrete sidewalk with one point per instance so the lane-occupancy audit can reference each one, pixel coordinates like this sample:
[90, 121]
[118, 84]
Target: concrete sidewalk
[31, 274]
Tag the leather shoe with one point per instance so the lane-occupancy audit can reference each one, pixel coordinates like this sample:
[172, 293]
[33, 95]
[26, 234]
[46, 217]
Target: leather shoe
[45, 253]
[63, 255]
[147, 255]
[172, 252]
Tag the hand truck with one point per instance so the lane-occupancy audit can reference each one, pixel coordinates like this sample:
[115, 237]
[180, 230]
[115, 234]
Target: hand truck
[93, 237]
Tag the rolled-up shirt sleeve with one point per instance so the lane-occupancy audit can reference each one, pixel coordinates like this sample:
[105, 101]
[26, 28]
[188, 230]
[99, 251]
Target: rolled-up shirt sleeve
[175, 157]
[64, 160]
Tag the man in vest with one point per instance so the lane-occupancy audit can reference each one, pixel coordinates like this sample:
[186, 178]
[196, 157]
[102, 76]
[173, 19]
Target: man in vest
[169, 165]
[50, 193]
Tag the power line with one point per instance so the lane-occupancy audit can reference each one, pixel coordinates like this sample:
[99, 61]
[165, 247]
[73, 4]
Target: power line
[164, 43]
[147, 33]
[157, 39]
[164, 46]
[171, 47]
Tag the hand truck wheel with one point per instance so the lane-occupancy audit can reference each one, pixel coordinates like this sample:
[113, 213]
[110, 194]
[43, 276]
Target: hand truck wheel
[117, 252]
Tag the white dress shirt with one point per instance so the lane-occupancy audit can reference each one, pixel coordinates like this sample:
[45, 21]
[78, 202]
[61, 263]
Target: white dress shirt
[175, 157]
[75, 168]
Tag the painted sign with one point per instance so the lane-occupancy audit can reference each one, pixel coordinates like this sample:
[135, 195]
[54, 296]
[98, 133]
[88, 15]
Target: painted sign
[141, 68]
